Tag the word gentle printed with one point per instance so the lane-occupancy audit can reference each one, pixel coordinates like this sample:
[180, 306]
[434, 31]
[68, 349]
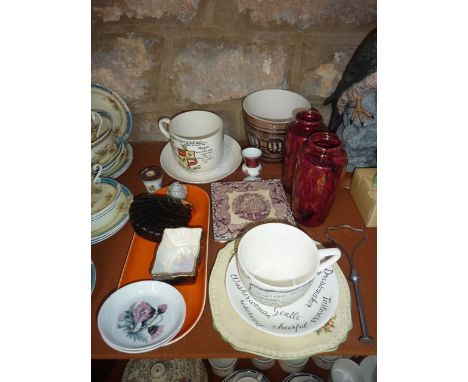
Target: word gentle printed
[290, 320]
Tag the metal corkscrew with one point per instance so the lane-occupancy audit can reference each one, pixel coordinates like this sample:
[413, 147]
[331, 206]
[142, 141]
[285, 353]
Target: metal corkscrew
[355, 278]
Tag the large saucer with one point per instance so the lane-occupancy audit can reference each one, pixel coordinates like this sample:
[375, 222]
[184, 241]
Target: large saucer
[122, 163]
[105, 99]
[118, 222]
[243, 337]
[304, 316]
[232, 158]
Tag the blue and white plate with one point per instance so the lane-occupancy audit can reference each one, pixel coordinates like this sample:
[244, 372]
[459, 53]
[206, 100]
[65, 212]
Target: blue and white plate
[117, 223]
[93, 276]
[122, 164]
[108, 101]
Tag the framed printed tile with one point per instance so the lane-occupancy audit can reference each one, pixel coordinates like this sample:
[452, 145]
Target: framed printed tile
[238, 205]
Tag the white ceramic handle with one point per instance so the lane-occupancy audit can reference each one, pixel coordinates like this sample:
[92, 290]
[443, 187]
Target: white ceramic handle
[329, 256]
[95, 115]
[164, 126]
[98, 168]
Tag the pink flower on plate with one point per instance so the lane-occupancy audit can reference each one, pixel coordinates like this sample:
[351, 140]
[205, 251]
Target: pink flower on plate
[162, 308]
[142, 312]
[155, 331]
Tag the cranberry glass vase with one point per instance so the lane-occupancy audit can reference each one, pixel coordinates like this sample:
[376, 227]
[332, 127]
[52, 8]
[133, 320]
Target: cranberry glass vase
[320, 164]
[297, 132]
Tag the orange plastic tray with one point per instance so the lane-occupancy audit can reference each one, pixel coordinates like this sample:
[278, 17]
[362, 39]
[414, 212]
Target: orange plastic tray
[141, 254]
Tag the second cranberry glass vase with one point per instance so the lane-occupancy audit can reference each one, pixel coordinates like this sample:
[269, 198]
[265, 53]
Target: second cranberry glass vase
[320, 164]
[297, 132]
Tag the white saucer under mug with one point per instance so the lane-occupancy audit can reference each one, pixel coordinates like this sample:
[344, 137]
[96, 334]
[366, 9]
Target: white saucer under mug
[232, 158]
[304, 316]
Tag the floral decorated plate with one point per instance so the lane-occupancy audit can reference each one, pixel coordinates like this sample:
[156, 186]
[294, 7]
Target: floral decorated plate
[106, 100]
[141, 316]
[232, 158]
[118, 222]
[121, 164]
[244, 337]
[304, 316]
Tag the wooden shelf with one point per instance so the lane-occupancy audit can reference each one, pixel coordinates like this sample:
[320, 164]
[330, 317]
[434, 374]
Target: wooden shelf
[204, 341]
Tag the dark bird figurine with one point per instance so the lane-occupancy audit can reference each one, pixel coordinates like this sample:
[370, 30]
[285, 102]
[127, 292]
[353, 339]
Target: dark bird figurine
[359, 76]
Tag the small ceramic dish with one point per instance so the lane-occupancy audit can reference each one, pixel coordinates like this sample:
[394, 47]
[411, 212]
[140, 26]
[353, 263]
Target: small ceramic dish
[106, 194]
[178, 255]
[141, 316]
[302, 377]
[246, 376]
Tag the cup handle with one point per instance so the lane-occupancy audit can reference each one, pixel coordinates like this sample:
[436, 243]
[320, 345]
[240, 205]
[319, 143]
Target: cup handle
[97, 168]
[94, 115]
[164, 125]
[329, 256]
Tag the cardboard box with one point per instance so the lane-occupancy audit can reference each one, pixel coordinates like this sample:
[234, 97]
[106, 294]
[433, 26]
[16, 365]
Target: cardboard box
[364, 194]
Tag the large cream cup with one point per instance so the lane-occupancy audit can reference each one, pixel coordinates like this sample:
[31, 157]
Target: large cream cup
[196, 139]
[277, 263]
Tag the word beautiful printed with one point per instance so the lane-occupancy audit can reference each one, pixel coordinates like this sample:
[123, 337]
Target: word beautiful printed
[307, 314]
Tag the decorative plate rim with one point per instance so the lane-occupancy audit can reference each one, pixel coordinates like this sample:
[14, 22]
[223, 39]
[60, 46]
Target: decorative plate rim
[121, 166]
[120, 221]
[245, 338]
[123, 104]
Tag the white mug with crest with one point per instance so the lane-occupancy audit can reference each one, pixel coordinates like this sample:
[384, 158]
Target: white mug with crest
[196, 138]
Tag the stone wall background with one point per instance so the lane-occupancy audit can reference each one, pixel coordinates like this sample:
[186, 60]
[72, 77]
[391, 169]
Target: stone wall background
[167, 56]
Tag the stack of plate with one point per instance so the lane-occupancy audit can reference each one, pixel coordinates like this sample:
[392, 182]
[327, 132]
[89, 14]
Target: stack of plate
[111, 107]
[141, 316]
[110, 204]
[317, 322]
